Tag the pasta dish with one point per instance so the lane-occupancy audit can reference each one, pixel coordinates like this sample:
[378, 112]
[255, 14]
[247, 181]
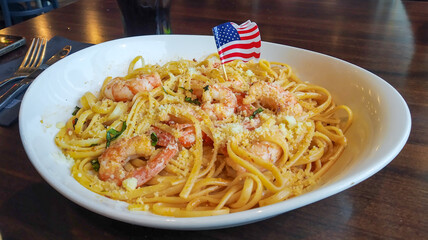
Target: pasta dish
[196, 138]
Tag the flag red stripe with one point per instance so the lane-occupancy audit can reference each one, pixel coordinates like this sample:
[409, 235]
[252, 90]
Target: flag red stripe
[241, 46]
[247, 31]
[241, 55]
[251, 36]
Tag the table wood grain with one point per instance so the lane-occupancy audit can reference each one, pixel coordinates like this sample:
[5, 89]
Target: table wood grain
[388, 38]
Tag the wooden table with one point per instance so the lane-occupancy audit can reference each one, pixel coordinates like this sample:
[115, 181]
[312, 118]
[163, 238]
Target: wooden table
[388, 38]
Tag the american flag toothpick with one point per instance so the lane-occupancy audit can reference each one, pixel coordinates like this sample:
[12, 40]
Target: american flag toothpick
[237, 41]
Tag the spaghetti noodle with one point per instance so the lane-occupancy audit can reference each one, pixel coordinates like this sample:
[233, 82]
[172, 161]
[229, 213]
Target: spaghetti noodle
[183, 140]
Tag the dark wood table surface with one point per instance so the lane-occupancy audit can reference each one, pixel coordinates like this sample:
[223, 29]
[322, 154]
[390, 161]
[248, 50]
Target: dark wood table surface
[388, 38]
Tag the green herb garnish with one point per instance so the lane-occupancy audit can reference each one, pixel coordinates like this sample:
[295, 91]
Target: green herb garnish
[206, 88]
[154, 138]
[112, 134]
[190, 100]
[165, 90]
[93, 145]
[190, 90]
[259, 110]
[76, 109]
[95, 165]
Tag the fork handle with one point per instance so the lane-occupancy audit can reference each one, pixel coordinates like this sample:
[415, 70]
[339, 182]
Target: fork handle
[15, 78]
[13, 92]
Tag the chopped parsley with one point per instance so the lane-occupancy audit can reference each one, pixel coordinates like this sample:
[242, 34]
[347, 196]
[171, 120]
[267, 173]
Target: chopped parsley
[154, 138]
[76, 109]
[206, 88]
[93, 145]
[190, 90]
[259, 110]
[165, 90]
[112, 134]
[95, 165]
[190, 100]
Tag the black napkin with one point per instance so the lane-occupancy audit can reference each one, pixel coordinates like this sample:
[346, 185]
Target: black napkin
[9, 114]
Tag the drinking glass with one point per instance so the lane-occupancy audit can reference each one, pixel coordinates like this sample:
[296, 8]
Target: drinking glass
[145, 17]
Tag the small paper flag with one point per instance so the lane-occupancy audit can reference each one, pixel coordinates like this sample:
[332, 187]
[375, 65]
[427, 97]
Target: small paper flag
[237, 41]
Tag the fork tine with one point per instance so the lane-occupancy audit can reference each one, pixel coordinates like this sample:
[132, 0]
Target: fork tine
[29, 51]
[42, 56]
[36, 54]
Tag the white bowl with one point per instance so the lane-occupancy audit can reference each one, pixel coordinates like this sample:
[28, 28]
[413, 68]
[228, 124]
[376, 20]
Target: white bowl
[380, 129]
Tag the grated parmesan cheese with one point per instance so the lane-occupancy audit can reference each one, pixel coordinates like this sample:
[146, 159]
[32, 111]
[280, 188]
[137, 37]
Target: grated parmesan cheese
[291, 121]
[249, 73]
[130, 183]
[192, 71]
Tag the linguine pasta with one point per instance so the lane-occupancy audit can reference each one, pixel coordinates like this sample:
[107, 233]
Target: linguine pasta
[184, 140]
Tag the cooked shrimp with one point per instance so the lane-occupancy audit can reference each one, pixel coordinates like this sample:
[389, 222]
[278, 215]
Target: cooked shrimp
[236, 83]
[219, 102]
[187, 135]
[197, 88]
[113, 160]
[251, 124]
[241, 108]
[269, 152]
[186, 139]
[273, 97]
[155, 165]
[119, 89]
[164, 138]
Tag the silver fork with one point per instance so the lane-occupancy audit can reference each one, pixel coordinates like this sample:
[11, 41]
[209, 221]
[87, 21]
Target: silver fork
[32, 60]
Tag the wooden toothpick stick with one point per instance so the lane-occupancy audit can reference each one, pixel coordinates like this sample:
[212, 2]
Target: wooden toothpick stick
[224, 70]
